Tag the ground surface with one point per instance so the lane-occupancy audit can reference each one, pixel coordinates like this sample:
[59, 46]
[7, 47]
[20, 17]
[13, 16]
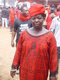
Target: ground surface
[7, 54]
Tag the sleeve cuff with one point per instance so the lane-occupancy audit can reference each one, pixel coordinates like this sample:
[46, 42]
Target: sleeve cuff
[54, 73]
[14, 67]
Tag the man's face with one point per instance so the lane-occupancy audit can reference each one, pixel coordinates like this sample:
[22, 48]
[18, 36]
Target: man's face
[25, 11]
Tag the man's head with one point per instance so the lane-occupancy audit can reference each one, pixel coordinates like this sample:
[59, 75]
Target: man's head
[58, 10]
[52, 8]
[24, 10]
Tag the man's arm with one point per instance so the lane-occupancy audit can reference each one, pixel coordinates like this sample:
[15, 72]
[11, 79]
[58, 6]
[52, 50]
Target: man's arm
[13, 37]
[15, 27]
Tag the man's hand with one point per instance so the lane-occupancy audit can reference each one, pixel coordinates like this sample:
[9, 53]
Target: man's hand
[12, 43]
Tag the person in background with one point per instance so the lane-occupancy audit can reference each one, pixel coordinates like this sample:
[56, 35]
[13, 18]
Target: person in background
[55, 28]
[11, 18]
[58, 10]
[17, 11]
[50, 17]
[4, 17]
[36, 51]
[8, 12]
[20, 24]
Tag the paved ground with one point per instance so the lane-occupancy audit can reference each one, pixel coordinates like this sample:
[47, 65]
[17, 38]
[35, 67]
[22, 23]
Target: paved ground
[6, 55]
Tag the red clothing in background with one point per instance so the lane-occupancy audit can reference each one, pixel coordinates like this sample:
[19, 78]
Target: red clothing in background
[17, 13]
[48, 21]
[35, 55]
[22, 18]
[12, 16]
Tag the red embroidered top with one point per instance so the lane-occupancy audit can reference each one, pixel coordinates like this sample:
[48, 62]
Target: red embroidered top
[36, 55]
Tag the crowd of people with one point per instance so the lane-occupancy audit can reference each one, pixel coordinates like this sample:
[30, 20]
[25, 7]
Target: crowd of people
[37, 30]
[9, 14]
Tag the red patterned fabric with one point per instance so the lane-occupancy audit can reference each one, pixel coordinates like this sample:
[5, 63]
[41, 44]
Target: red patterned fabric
[49, 21]
[36, 55]
[37, 9]
[12, 16]
[24, 18]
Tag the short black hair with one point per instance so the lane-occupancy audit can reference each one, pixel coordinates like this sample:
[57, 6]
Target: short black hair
[22, 7]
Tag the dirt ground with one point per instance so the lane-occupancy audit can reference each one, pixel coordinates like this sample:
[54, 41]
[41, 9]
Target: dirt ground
[7, 54]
